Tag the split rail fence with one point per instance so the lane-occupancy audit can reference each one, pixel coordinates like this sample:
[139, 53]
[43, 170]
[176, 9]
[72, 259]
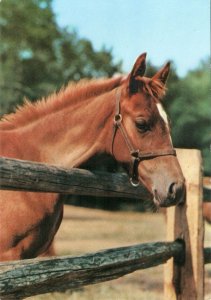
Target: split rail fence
[183, 253]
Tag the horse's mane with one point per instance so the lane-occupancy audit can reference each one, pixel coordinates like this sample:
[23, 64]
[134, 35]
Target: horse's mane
[71, 94]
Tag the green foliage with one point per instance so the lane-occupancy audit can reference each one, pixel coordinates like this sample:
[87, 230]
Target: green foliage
[188, 104]
[37, 57]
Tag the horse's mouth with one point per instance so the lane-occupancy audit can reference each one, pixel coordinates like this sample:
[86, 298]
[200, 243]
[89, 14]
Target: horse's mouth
[174, 195]
[170, 200]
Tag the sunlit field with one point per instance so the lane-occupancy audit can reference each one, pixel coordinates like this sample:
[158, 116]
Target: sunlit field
[86, 230]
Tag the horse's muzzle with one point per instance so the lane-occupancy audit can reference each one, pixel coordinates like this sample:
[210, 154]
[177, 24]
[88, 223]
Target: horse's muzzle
[175, 195]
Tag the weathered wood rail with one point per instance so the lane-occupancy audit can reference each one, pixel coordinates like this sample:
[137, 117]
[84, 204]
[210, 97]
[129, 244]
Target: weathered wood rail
[35, 177]
[21, 279]
[31, 277]
[20, 175]
[184, 273]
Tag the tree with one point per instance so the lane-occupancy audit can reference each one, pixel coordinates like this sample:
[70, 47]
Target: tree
[189, 106]
[37, 57]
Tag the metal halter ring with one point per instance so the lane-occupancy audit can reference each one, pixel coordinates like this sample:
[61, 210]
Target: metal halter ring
[134, 183]
[117, 118]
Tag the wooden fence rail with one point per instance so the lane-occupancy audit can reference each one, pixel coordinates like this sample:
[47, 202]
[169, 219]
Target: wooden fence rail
[20, 175]
[26, 278]
[35, 177]
[36, 276]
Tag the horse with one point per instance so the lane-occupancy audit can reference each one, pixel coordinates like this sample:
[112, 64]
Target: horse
[116, 116]
[207, 194]
[207, 212]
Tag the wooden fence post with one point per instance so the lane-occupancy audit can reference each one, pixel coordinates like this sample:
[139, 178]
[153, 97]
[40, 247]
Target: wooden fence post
[186, 222]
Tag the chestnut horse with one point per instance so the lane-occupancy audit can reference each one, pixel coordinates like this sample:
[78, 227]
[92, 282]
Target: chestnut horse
[70, 127]
[207, 212]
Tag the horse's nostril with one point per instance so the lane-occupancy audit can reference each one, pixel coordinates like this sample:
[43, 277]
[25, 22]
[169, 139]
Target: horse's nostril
[172, 189]
[177, 191]
[175, 195]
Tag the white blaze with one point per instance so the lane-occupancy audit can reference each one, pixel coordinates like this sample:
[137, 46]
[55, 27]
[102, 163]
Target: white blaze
[163, 116]
[162, 113]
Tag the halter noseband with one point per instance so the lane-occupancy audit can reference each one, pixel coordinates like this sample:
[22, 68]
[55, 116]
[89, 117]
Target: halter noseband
[136, 155]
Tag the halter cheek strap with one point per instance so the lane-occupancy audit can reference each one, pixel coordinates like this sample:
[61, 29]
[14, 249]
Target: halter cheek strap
[136, 155]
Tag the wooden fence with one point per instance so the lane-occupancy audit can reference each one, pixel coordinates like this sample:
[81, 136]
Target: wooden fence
[183, 251]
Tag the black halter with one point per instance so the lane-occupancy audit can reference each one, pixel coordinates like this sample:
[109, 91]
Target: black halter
[136, 155]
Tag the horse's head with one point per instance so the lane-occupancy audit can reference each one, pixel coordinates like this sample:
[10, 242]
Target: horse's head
[142, 135]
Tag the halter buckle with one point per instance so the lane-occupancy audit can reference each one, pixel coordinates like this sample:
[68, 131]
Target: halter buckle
[135, 154]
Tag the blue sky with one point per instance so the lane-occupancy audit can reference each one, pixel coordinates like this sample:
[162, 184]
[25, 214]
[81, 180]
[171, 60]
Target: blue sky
[177, 30]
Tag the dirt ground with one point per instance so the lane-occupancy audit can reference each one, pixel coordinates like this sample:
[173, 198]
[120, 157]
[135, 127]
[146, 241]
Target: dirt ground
[86, 230]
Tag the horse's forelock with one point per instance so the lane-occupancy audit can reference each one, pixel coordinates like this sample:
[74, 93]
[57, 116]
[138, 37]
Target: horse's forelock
[153, 87]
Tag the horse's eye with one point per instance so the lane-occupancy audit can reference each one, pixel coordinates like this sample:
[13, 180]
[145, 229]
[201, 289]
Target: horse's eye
[142, 126]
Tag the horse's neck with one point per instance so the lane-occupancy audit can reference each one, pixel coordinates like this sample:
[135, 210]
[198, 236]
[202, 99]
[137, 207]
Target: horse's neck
[71, 136]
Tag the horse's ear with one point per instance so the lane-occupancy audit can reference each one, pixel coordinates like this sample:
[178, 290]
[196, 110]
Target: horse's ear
[138, 70]
[163, 73]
